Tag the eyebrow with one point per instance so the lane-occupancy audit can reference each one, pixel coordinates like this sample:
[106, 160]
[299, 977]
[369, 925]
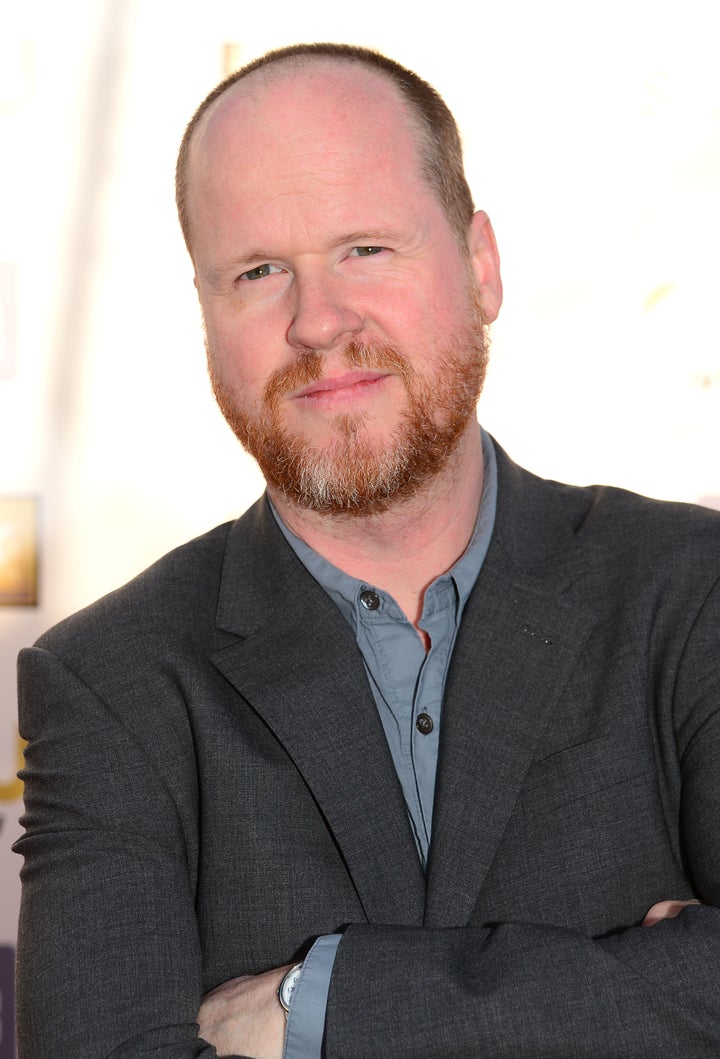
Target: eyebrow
[361, 237]
[367, 237]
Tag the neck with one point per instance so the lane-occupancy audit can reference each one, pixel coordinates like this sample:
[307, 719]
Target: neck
[403, 549]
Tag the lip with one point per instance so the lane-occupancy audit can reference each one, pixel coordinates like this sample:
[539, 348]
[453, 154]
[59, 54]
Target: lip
[352, 382]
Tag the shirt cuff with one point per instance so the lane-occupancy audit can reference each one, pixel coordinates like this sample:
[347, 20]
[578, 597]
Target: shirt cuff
[306, 1019]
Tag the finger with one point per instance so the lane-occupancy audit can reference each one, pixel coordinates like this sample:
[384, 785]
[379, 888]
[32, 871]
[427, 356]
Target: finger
[665, 910]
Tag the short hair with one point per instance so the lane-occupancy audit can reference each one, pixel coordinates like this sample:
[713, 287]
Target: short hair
[439, 144]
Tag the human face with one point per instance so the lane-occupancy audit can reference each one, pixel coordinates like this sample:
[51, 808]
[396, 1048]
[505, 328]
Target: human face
[344, 337]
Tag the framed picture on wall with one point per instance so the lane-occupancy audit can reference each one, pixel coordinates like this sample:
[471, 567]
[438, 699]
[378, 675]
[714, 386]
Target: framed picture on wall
[18, 552]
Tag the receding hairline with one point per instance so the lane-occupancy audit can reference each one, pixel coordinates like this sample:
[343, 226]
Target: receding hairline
[285, 69]
[277, 65]
[429, 118]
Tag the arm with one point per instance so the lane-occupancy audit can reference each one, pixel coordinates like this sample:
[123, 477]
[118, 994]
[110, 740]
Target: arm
[109, 960]
[524, 990]
[518, 990]
[245, 1011]
[92, 978]
[109, 955]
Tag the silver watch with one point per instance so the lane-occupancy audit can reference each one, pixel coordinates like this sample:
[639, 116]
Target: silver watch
[288, 986]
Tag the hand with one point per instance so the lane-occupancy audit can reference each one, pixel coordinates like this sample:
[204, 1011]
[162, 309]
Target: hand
[244, 1016]
[665, 910]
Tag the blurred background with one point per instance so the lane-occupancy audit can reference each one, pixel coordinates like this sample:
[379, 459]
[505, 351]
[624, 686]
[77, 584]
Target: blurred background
[592, 137]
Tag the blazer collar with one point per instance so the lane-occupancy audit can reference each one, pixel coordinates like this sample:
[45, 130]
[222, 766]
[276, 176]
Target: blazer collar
[521, 635]
[283, 646]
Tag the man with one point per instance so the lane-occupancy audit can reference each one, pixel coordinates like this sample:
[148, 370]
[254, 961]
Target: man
[422, 742]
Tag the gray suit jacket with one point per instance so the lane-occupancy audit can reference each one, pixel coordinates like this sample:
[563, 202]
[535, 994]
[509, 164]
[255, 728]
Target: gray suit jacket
[208, 788]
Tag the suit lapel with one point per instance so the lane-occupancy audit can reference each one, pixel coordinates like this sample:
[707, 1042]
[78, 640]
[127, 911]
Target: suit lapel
[520, 637]
[294, 659]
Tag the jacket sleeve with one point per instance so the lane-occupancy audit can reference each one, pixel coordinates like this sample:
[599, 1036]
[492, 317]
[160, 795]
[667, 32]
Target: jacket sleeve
[519, 990]
[109, 960]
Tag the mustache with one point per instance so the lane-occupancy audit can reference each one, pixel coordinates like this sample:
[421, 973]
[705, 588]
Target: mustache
[308, 366]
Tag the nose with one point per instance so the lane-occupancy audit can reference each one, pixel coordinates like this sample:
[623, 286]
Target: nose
[322, 316]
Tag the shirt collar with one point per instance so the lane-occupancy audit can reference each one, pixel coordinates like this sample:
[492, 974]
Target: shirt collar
[345, 590]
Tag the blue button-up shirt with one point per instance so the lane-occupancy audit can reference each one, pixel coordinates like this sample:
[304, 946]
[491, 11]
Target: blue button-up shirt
[408, 684]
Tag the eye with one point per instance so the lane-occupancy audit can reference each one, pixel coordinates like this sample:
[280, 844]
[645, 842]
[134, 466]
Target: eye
[259, 272]
[366, 251]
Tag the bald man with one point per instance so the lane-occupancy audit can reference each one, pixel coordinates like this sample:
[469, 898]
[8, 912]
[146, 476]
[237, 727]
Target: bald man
[421, 756]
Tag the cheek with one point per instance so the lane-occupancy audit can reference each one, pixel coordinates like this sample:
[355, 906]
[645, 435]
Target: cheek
[235, 345]
[435, 305]
[241, 353]
[448, 303]
[239, 376]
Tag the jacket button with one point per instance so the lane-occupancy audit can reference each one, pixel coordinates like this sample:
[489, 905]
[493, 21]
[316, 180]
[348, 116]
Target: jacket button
[369, 599]
[424, 724]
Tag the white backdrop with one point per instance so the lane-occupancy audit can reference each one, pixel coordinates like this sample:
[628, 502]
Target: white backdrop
[592, 137]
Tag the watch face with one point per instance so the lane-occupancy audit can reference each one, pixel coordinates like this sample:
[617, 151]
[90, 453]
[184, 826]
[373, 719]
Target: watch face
[289, 985]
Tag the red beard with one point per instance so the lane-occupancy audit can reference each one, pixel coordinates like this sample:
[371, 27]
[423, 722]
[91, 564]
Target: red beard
[355, 474]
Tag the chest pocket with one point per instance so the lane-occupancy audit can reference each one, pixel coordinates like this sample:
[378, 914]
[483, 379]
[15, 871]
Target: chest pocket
[587, 770]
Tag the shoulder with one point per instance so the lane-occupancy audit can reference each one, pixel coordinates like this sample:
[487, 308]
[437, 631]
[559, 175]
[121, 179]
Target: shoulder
[607, 519]
[652, 540]
[632, 519]
[173, 601]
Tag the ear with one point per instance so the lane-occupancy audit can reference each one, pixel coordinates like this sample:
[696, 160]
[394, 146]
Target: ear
[485, 264]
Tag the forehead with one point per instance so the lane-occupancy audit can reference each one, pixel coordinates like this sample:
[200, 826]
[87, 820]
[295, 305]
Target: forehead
[324, 120]
[296, 94]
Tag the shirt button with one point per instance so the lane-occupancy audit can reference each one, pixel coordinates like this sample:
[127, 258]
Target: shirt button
[370, 600]
[424, 724]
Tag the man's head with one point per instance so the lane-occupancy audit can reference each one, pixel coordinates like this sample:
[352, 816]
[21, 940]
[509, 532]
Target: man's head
[438, 139]
[344, 302]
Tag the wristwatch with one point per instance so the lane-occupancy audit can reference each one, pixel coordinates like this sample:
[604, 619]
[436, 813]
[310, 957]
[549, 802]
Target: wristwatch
[288, 986]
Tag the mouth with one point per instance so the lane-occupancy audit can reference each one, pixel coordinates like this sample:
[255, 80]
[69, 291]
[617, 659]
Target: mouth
[349, 386]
